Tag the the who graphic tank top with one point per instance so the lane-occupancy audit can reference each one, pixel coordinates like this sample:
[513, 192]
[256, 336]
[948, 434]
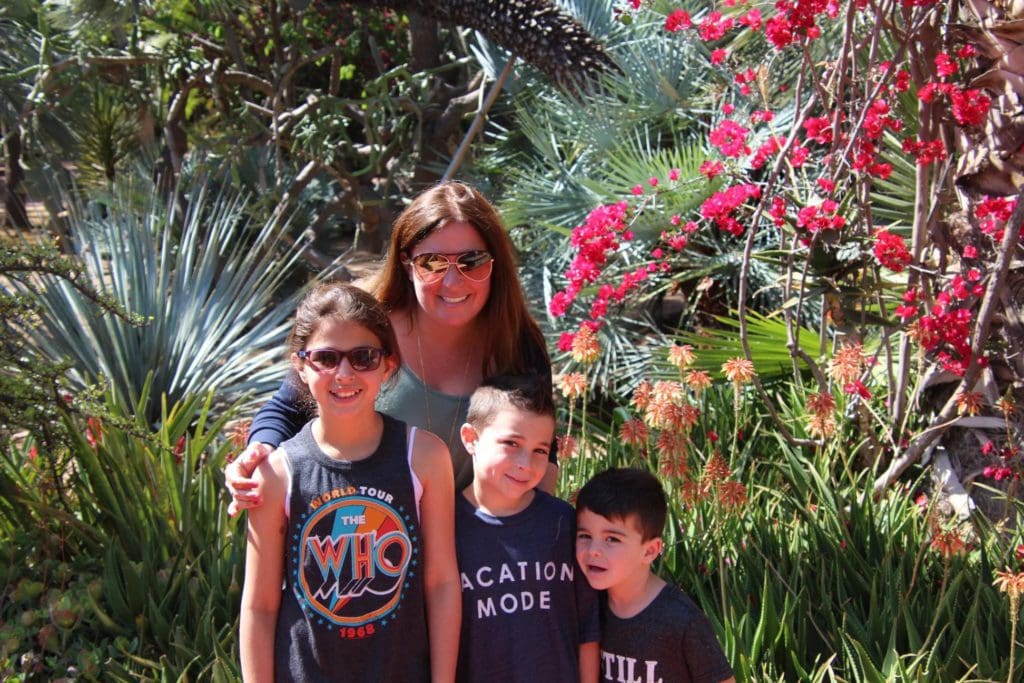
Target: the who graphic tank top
[353, 606]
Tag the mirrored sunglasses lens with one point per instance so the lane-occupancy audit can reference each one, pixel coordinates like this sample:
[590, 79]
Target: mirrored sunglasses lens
[431, 267]
[476, 265]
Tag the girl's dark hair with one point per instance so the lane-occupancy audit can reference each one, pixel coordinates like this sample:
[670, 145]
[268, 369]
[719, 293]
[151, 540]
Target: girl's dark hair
[619, 492]
[505, 319]
[343, 302]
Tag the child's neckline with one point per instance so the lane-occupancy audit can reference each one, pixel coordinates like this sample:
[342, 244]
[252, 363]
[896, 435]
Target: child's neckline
[469, 497]
[358, 450]
[653, 587]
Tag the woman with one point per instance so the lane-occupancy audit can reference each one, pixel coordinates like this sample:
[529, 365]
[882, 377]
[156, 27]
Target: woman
[450, 287]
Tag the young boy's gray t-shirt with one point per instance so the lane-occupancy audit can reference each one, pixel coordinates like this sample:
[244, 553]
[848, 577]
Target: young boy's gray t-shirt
[670, 640]
[525, 606]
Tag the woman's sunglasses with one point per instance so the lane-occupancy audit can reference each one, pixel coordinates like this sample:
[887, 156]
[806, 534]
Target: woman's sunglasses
[474, 265]
[361, 358]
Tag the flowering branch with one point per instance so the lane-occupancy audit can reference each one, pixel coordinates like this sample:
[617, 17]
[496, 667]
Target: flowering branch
[947, 415]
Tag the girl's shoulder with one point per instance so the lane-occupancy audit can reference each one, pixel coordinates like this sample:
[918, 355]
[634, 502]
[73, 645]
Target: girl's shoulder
[429, 453]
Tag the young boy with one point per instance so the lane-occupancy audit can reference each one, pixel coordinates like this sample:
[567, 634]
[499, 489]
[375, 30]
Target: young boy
[527, 615]
[651, 632]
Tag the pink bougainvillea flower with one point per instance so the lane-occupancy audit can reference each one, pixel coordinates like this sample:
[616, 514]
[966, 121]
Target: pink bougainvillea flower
[945, 65]
[711, 168]
[677, 20]
[730, 138]
[718, 56]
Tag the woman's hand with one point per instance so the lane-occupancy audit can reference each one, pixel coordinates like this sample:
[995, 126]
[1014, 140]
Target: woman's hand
[238, 478]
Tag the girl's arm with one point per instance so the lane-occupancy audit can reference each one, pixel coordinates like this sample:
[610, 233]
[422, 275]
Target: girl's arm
[264, 568]
[433, 467]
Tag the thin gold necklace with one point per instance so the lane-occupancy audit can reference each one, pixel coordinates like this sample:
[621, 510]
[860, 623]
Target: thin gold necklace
[426, 394]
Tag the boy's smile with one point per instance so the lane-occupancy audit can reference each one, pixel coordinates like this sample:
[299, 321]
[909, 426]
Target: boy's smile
[510, 457]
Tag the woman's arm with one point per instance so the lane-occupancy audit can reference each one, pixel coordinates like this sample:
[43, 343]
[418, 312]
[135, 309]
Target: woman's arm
[280, 418]
[264, 567]
[433, 467]
[277, 420]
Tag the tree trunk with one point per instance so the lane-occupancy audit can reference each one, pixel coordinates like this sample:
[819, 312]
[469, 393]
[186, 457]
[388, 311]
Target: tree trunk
[10, 189]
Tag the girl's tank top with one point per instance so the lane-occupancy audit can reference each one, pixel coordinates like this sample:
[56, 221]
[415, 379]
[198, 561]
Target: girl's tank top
[353, 604]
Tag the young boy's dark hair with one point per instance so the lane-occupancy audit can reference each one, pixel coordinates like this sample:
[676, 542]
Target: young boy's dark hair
[619, 492]
[523, 392]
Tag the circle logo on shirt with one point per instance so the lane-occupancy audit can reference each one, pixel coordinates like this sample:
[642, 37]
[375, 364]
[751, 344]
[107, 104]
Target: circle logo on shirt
[353, 556]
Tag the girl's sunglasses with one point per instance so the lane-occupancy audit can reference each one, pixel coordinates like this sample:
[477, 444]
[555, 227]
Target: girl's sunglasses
[361, 358]
[474, 265]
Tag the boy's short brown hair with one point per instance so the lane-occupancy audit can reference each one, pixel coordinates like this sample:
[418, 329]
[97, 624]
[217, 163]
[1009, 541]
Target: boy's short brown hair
[619, 492]
[524, 392]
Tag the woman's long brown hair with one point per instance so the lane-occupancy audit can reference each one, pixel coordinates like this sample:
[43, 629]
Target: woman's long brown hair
[506, 320]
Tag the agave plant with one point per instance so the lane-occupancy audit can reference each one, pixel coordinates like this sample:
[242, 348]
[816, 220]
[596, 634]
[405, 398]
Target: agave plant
[204, 284]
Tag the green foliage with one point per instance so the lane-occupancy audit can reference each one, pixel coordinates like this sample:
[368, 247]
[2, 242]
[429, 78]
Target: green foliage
[204, 284]
[35, 386]
[812, 578]
[137, 565]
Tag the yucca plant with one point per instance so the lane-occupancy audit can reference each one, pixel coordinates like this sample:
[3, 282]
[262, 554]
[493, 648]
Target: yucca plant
[202, 276]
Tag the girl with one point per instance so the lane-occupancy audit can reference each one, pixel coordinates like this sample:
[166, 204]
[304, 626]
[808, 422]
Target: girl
[450, 287]
[357, 520]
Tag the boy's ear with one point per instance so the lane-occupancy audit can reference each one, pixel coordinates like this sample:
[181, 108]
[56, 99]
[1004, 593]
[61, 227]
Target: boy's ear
[652, 549]
[469, 437]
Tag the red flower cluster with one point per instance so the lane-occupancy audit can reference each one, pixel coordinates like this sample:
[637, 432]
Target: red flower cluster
[797, 18]
[947, 327]
[721, 206]
[1009, 468]
[969, 107]
[925, 151]
[891, 251]
[993, 212]
[766, 151]
[819, 217]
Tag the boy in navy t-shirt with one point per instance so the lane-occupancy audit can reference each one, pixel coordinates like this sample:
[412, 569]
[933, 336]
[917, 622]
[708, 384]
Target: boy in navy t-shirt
[527, 614]
[651, 632]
